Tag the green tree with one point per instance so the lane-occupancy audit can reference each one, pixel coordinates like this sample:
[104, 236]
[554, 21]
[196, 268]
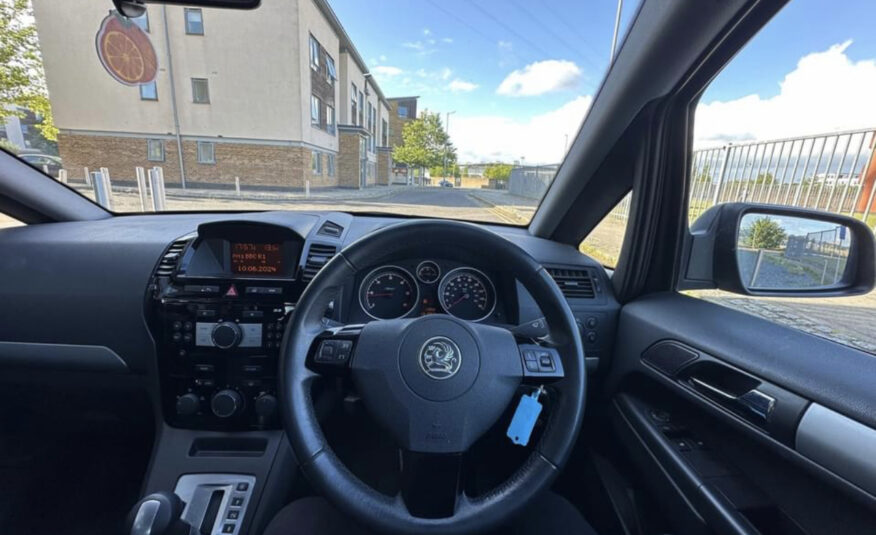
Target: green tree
[22, 79]
[763, 233]
[499, 171]
[425, 143]
[764, 178]
[7, 145]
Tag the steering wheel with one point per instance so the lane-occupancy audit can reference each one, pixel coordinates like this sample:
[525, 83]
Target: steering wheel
[434, 383]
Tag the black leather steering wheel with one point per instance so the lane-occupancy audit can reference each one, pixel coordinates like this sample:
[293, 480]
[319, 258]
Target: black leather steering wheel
[433, 417]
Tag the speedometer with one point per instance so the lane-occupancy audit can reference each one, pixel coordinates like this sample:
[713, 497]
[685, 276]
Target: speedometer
[467, 294]
[388, 292]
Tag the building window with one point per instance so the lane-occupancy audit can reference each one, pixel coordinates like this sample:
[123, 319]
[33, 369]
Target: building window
[361, 108]
[149, 91]
[330, 164]
[330, 119]
[142, 21]
[331, 73]
[314, 54]
[314, 110]
[384, 134]
[200, 91]
[353, 106]
[402, 111]
[315, 163]
[206, 152]
[194, 22]
[155, 150]
[372, 141]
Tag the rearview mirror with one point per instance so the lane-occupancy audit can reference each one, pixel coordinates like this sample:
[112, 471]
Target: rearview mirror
[779, 251]
[135, 8]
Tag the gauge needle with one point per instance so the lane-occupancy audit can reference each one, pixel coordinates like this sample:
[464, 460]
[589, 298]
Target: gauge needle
[381, 295]
[453, 304]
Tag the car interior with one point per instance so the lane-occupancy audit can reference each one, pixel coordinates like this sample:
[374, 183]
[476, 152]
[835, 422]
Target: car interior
[157, 380]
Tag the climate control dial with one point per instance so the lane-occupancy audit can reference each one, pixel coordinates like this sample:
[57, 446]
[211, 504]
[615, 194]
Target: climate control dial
[226, 403]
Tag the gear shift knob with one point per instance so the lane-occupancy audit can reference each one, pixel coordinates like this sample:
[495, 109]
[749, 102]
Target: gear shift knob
[159, 514]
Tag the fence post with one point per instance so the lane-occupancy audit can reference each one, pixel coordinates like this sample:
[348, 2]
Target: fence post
[306, 189]
[62, 176]
[141, 188]
[102, 191]
[721, 175]
[87, 177]
[237, 185]
[756, 271]
[156, 180]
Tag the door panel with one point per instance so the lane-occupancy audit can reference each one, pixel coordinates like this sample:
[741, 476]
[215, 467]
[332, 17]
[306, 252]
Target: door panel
[708, 401]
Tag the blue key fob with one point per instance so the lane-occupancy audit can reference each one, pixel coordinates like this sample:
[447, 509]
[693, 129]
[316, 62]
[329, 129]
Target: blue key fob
[523, 421]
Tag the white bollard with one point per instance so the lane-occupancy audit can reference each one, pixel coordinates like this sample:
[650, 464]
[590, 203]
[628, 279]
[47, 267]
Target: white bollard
[62, 176]
[46, 168]
[102, 191]
[87, 177]
[306, 189]
[237, 185]
[156, 182]
[142, 189]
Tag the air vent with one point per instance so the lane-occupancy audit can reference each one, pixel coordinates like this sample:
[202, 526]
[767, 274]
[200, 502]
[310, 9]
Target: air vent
[330, 228]
[318, 256]
[574, 283]
[171, 258]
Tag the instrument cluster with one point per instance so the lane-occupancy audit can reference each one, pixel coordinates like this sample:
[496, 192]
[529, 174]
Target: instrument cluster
[429, 287]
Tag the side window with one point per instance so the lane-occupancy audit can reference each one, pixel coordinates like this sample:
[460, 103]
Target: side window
[605, 240]
[787, 123]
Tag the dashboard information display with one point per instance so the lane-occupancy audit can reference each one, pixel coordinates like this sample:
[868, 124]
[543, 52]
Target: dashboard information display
[256, 258]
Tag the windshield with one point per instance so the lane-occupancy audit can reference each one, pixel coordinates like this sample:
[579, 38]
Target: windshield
[451, 109]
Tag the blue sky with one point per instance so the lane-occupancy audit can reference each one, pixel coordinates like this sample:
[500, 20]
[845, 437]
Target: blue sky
[520, 75]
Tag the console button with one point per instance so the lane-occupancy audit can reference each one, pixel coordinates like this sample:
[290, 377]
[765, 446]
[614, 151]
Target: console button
[205, 368]
[206, 313]
[250, 314]
[226, 334]
[233, 514]
[237, 501]
[228, 528]
[242, 486]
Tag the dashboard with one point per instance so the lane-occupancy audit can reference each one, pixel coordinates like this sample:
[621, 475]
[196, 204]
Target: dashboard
[197, 304]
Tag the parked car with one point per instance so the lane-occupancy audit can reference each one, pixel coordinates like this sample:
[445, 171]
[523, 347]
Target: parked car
[44, 162]
[446, 183]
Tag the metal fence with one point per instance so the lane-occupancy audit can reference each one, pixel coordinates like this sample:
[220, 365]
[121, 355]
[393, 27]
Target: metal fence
[531, 180]
[823, 172]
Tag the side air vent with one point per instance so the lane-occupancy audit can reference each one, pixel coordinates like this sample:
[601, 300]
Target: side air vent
[330, 228]
[171, 258]
[574, 283]
[318, 256]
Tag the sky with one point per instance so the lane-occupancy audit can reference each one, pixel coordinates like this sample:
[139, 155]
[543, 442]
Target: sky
[518, 77]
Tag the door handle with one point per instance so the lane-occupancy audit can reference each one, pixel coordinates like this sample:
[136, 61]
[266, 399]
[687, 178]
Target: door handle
[753, 401]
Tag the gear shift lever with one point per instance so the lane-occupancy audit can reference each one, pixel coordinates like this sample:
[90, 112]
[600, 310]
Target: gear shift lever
[159, 514]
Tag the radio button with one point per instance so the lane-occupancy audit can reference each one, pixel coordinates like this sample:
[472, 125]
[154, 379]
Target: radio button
[206, 313]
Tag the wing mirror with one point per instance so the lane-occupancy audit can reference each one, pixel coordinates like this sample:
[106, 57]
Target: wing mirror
[767, 250]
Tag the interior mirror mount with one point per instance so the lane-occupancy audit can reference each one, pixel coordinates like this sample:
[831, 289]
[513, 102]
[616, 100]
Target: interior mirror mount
[767, 250]
[130, 8]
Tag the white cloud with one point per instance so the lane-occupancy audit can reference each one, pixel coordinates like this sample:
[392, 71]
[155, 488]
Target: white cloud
[539, 139]
[427, 31]
[386, 70]
[445, 73]
[461, 86]
[382, 58]
[825, 92]
[540, 77]
[447, 40]
[419, 47]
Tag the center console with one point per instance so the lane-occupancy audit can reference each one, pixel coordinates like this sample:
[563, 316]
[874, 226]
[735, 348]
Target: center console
[219, 305]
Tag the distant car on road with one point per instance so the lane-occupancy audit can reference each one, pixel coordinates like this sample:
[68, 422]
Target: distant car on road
[44, 162]
[446, 184]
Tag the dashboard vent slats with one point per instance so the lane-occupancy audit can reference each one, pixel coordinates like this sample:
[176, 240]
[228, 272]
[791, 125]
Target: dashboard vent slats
[171, 258]
[318, 256]
[330, 228]
[574, 283]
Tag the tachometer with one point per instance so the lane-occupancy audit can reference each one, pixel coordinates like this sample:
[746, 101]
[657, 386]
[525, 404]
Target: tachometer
[467, 294]
[388, 292]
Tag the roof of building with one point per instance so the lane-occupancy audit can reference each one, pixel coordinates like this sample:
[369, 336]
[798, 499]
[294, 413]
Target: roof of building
[404, 98]
[347, 44]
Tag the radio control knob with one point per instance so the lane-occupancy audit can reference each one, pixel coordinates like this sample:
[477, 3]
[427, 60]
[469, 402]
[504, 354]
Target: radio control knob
[188, 404]
[226, 403]
[226, 335]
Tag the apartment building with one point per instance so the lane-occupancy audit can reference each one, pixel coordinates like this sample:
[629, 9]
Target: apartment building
[278, 97]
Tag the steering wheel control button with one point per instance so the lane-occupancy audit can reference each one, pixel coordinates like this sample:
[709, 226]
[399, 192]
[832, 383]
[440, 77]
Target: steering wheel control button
[334, 352]
[541, 362]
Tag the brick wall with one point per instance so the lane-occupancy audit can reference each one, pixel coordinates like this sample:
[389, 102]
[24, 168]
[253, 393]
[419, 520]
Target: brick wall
[349, 163]
[255, 164]
[384, 165]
